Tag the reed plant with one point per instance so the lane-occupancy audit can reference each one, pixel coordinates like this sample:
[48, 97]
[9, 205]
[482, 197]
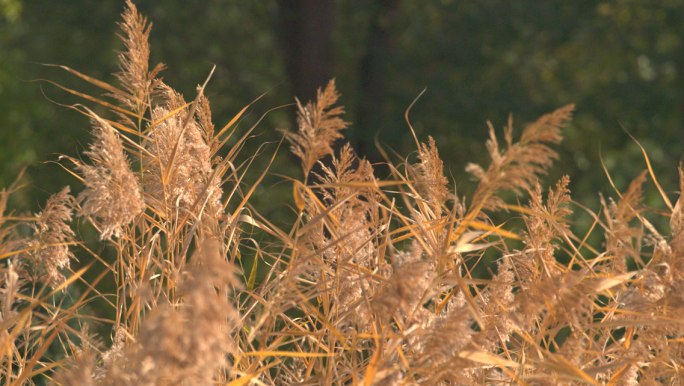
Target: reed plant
[377, 282]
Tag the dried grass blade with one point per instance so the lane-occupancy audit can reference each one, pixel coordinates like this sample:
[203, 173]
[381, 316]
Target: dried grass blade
[270, 228]
[12, 218]
[165, 117]
[48, 367]
[75, 161]
[237, 116]
[115, 124]
[228, 165]
[298, 197]
[93, 99]
[494, 229]
[372, 367]
[202, 197]
[407, 223]
[258, 181]
[406, 116]
[610, 282]
[470, 302]
[234, 150]
[242, 380]
[95, 82]
[253, 273]
[569, 370]
[264, 354]
[121, 127]
[321, 318]
[487, 359]
[617, 376]
[634, 323]
[91, 114]
[12, 253]
[361, 184]
[650, 171]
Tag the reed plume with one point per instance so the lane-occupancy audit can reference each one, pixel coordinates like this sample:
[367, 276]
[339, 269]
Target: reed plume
[180, 165]
[319, 127]
[113, 195]
[53, 235]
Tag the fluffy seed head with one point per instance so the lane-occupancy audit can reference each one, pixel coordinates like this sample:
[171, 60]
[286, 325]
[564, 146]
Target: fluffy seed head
[112, 195]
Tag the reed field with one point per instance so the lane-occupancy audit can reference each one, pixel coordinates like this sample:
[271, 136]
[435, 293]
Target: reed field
[392, 281]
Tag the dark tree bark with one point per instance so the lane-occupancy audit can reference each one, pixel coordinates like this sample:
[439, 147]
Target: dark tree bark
[306, 28]
[372, 85]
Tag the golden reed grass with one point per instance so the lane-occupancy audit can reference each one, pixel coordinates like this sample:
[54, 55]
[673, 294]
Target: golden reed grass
[373, 284]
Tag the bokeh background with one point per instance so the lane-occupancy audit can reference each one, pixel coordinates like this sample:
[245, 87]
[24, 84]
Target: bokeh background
[621, 62]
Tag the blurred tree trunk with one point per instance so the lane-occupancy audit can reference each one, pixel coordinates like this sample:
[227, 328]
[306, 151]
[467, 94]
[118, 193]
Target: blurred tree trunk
[372, 85]
[306, 28]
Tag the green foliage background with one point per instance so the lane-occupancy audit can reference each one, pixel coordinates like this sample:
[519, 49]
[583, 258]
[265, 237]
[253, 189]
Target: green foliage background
[621, 62]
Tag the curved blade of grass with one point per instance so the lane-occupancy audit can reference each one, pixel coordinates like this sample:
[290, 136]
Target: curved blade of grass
[93, 99]
[238, 145]
[12, 253]
[165, 117]
[258, 181]
[95, 82]
[494, 229]
[237, 116]
[650, 171]
[115, 124]
[75, 161]
[406, 116]
[269, 227]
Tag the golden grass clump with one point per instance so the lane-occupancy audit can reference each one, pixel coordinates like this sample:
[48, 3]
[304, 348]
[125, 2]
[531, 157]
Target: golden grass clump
[377, 282]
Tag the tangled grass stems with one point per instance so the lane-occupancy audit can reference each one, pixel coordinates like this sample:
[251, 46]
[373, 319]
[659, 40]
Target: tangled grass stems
[373, 284]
